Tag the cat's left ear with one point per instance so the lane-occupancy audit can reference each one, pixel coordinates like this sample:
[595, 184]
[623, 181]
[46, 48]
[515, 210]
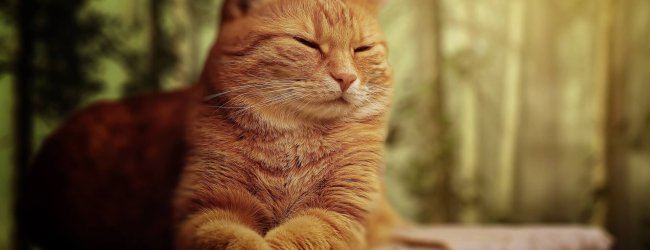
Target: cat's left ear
[235, 9]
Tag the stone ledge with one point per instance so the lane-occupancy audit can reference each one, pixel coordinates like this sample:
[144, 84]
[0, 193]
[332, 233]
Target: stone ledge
[510, 237]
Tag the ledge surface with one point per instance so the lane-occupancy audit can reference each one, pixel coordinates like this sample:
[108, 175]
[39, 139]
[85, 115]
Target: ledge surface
[510, 238]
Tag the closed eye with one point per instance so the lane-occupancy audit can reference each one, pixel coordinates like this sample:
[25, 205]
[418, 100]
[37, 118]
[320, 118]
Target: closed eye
[307, 43]
[362, 49]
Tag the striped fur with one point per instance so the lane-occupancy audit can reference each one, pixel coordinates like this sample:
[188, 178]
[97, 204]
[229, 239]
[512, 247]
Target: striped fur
[291, 162]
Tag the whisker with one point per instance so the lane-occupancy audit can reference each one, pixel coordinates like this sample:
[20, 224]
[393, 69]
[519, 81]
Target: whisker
[272, 101]
[269, 90]
[243, 87]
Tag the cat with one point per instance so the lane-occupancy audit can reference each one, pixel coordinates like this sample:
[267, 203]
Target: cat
[288, 155]
[278, 146]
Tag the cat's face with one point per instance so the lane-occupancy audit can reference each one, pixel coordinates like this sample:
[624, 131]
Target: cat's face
[301, 61]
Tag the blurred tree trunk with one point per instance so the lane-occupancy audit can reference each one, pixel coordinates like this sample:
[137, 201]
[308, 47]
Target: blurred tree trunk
[442, 133]
[419, 145]
[602, 85]
[23, 110]
[435, 158]
[191, 18]
[157, 61]
[183, 48]
[466, 179]
[155, 45]
[619, 220]
[511, 109]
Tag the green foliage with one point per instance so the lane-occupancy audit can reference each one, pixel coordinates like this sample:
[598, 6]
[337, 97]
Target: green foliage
[6, 38]
[147, 69]
[66, 54]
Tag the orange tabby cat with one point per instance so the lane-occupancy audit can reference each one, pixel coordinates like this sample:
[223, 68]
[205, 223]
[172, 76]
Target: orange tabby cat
[279, 146]
[288, 155]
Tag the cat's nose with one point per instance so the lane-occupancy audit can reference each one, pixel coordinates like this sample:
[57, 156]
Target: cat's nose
[345, 78]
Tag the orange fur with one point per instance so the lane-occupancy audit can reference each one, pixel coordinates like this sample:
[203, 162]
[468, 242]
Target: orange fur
[295, 161]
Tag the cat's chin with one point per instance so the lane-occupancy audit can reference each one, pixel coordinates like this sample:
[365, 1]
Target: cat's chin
[314, 113]
[327, 110]
[299, 116]
[338, 102]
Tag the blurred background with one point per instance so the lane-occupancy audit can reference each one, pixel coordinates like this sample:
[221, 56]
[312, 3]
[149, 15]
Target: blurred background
[506, 111]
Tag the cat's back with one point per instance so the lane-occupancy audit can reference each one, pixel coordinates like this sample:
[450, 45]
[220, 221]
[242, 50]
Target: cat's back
[105, 178]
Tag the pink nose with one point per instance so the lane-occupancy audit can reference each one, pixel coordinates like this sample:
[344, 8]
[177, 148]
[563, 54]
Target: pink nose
[345, 79]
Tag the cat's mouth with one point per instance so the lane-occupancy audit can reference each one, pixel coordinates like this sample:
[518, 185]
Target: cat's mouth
[339, 100]
[339, 103]
[331, 108]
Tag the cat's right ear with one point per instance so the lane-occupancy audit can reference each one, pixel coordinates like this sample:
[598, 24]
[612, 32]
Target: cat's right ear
[235, 9]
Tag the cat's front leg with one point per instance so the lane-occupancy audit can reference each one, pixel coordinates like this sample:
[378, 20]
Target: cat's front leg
[338, 219]
[317, 229]
[218, 229]
[216, 217]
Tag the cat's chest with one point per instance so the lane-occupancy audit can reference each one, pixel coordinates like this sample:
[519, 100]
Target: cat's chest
[286, 154]
[288, 174]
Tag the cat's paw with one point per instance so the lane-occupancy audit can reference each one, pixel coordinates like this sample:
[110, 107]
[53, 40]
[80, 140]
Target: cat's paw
[300, 233]
[247, 240]
[231, 237]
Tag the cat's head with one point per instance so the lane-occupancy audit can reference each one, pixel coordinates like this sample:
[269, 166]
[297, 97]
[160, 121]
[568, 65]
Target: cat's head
[293, 62]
